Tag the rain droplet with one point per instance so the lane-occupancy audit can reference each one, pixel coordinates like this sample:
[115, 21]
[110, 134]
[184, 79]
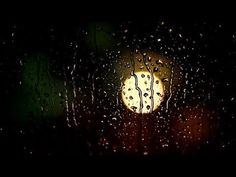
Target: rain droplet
[145, 153]
[158, 62]
[134, 108]
[165, 80]
[155, 69]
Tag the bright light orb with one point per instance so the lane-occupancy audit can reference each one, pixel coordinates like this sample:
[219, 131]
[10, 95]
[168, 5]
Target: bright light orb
[142, 92]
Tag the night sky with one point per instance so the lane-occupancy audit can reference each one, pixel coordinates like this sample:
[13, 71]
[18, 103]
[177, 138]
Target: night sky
[61, 86]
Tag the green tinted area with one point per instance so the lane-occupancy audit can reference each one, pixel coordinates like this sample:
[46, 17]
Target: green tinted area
[40, 95]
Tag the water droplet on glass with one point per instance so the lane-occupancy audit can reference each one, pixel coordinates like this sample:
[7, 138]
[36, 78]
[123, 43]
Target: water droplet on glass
[155, 69]
[165, 80]
[145, 94]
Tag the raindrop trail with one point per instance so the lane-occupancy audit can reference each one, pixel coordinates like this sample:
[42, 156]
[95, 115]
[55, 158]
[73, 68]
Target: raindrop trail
[93, 88]
[151, 84]
[136, 83]
[73, 105]
[186, 78]
[120, 90]
[170, 87]
[184, 93]
[140, 125]
[66, 98]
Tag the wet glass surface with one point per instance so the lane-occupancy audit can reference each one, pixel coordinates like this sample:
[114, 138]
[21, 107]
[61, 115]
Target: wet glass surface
[118, 87]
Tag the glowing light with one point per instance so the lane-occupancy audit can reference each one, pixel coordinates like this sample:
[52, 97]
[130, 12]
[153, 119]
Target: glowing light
[142, 92]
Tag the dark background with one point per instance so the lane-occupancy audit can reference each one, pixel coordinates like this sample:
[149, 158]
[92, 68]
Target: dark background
[33, 36]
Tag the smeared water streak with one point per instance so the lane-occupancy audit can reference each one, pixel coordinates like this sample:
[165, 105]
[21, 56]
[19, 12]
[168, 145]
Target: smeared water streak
[93, 89]
[151, 84]
[170, 87]
[136, 83]
[74, 104]
[66, 98]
